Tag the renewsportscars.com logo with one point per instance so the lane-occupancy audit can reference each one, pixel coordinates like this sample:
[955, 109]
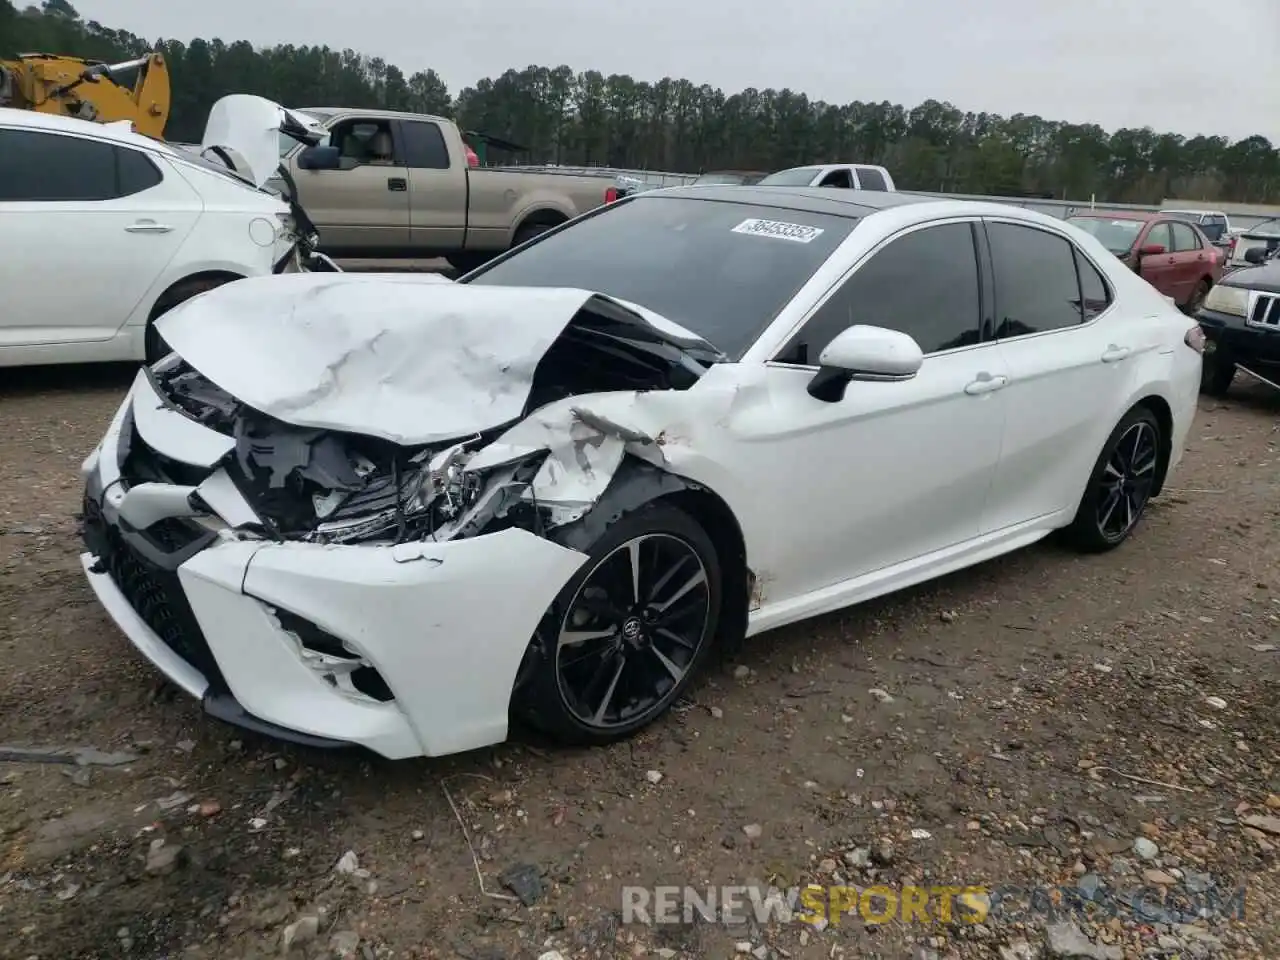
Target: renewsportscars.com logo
[941, 904]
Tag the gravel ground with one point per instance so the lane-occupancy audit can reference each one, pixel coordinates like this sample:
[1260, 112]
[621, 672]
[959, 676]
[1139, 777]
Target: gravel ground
[1092, 728]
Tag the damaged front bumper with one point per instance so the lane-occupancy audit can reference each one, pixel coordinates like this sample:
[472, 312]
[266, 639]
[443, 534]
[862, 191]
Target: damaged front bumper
[408, 649]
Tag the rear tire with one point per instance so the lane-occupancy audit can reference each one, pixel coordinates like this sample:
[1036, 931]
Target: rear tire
[1120, 485]
[627, 634]
[156, 348]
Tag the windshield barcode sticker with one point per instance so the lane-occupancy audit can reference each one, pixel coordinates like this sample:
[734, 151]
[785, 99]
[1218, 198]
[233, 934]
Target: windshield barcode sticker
[796, 232]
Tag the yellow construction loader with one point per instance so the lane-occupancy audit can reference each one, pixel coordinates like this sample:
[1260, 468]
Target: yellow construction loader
[71, 87]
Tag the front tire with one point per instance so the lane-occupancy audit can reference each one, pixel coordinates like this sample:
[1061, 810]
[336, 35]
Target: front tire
[1120, 485]
[627, 634]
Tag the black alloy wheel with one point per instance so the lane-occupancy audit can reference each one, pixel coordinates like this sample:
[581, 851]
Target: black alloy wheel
[1121, 485]
[628, 632]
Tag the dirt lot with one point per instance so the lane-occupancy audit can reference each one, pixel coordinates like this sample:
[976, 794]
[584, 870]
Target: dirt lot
[1105, 724]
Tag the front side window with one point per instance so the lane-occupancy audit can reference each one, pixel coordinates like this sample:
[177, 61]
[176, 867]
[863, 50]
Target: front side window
[924, 284]
[40, 166]
[720, 269]
[1159, 236]
[1037, 287]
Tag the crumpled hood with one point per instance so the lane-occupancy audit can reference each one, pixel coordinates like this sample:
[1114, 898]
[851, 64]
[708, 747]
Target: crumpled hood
[413, 359]
[251, 127]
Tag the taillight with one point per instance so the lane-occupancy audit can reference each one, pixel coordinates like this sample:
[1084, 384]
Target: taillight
[472, 159]
[1231, 247]
[1195, 339]
[611, 195]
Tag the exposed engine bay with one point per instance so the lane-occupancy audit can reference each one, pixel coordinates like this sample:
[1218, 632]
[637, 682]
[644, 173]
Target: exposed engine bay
[329, 486]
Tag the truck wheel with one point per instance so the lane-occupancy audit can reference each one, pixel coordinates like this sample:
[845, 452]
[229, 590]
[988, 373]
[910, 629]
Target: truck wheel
[530, 230]
[1216, 377]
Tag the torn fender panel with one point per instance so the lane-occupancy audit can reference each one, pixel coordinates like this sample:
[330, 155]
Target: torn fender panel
[386, 356]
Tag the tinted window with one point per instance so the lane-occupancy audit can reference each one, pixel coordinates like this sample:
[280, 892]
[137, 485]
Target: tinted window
[1094, 292]
[1213, 229]
[1036, 284]
[424, 145]
[136, 172]
[49, 166]
[1184, 237]
[682, 258]
[838, 178]
[1159, 235]
[871, 179]
[798, 177]
[924, 284]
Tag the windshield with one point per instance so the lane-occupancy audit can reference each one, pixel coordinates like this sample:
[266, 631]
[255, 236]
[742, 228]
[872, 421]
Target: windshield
[799, 177]
[1267, 228]
[287, 142]
[720, 270]
[1116, 235]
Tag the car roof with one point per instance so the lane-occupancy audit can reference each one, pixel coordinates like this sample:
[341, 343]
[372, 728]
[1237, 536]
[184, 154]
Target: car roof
[371, 113]
[116, 133]
[838, 203]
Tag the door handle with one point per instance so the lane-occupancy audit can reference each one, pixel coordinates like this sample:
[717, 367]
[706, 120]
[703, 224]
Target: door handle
[148, 226]
[986, 384]
[397, 184]
[1114, 354]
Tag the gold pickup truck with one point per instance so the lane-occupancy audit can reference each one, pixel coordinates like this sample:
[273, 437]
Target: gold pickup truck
[389, 185]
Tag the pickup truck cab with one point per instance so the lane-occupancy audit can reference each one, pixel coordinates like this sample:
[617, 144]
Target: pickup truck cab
[390, 184]
[845, 176]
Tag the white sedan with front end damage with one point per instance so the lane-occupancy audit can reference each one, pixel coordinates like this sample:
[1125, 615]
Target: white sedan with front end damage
[395, 512]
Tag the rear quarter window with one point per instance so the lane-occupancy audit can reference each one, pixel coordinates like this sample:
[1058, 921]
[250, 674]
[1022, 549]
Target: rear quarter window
[870, 179]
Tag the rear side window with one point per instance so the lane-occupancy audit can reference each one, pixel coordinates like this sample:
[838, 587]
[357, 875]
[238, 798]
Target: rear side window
[135, 172]
[424, 145]
[1037, 287]
[870, 179]
[924, 284]
[51, 167]
[1184, 238]
[1095, 296]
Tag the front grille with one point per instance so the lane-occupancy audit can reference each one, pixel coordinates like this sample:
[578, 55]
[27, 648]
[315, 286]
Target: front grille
[1266, 311]
[154, 593]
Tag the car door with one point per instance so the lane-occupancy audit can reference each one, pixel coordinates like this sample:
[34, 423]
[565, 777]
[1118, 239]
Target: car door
[1065, 369]
[437, 189]
[363, 207]
[90, 225]
[1191, 260]
[892, 471]
[1160, 269]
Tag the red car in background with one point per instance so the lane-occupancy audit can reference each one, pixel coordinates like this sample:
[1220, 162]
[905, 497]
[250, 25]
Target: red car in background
[1172, 255]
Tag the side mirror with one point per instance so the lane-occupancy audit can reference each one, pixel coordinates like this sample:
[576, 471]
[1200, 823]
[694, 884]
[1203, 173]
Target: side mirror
[1255, 255]
[864, 353]
[1151, 250]
[319, 158]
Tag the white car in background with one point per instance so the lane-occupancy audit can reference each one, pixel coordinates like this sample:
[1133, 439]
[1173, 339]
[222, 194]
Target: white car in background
[376, 510]
[103, 230]
[839, 176]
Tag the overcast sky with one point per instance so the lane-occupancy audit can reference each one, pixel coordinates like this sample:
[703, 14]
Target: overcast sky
[1189, 66]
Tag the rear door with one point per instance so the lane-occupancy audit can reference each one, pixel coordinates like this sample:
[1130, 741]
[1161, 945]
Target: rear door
[1192, 260]
[1160, 269]
[91, 225]
[1065, 373]
[438, 197]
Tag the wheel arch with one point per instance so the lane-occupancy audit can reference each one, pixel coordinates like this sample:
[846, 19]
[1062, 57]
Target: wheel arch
[638, 484]
[168, 295]
[538, 217]
[1163, 413]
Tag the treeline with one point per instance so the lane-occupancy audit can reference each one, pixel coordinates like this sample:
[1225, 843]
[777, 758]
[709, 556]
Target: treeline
[564, 117]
